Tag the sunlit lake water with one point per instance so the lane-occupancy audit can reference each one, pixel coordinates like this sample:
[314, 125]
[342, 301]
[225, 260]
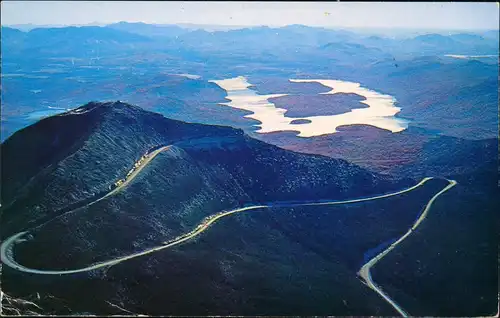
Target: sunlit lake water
[380, 112]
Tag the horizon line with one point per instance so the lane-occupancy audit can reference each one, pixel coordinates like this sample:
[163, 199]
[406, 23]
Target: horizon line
[181, 24]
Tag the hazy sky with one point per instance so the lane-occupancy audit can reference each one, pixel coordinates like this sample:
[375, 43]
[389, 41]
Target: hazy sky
[439, 15]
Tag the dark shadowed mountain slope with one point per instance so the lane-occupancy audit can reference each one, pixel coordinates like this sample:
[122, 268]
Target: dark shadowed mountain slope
[247, 264]
[276, 261]
[72, 156]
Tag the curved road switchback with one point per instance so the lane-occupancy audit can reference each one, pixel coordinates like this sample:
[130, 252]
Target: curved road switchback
[147, 160]
[6, 249]
[364, 272]
[7, 253]
[126, 181]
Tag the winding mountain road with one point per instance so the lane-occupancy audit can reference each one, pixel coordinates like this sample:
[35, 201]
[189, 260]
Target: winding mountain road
[364, 272]
[7, 254]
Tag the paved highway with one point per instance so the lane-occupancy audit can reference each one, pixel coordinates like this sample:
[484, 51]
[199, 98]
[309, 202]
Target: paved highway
[364, 272]
[7, 254]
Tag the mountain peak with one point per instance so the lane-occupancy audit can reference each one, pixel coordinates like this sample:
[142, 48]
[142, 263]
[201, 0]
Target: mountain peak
[108, 104]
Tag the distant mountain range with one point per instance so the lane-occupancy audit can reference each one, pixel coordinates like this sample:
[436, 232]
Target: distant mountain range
[249, 39]
[387, 32]
[76, 41]
[151, 30]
